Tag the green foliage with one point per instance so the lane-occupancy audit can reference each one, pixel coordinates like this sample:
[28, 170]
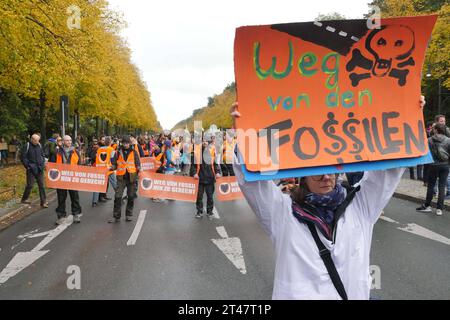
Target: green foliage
[14, 115]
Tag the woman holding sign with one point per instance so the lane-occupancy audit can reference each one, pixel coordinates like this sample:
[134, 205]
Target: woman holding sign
[322, 233]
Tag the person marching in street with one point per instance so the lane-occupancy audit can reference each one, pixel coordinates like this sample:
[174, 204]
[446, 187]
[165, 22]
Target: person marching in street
[127, 164]
[67, 154]
[103, 160]
[33, 159]
[206, 170]
[440, 149]
[229, 146]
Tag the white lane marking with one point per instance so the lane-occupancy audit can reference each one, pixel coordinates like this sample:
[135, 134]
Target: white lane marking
[24, 259]
[28, 234]
[342, 33]
[388, 219]
[354, 38]
[222, 232]
[231, 248]
[216, 213]
[52, 234]
[420, 231]
[137, 228]
[317, 23]
[37, 235]
[331, 29]
[20, 261]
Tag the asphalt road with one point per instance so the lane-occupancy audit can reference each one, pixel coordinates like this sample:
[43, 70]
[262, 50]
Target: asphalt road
[174, 255]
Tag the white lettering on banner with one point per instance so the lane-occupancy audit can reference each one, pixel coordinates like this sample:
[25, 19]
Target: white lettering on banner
[182, 190]
[66, 179]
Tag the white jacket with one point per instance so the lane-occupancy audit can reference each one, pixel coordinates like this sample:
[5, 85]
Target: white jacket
[299, 271]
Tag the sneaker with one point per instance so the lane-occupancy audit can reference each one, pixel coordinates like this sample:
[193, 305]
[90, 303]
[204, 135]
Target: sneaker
[25, 202]
[210, 216]
[113, 220]
[439, 212]
[76, 218]
[128, 218]
[60, 221]
[199, 215]
[94, 204]
[107, 198]
[44, 205]
[422, 208]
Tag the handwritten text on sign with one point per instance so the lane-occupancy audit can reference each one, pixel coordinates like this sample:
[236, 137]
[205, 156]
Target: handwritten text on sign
[331, 92]
[74, 177]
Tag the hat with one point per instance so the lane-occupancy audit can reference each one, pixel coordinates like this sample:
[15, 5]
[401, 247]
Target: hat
[126, 139]
[168, 143]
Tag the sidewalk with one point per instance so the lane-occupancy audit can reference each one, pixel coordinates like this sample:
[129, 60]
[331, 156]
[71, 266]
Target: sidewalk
[415, 191]
[20, 211]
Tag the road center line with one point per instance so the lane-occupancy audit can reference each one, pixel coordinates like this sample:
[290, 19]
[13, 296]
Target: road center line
[216, 213]
[137, 228]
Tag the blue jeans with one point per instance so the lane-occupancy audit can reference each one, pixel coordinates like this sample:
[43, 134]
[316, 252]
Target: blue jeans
[112, 180]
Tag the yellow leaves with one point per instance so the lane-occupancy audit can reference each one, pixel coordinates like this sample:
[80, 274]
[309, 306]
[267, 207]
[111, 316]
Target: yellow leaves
[437, 57]
[91, 64]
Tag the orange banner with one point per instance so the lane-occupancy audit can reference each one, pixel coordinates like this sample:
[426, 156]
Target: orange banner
[73, 177]
[330, 92]
[163, 186]
[150, 164]
[227, 189]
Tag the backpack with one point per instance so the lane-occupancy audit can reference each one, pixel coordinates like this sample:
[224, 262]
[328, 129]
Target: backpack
[439, 153]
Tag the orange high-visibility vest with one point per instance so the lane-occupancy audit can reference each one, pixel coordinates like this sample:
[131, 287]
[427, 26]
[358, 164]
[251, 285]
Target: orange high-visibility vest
[228, 152]
[127, 165]
[103, 158]
[73, 157]
[146, 152]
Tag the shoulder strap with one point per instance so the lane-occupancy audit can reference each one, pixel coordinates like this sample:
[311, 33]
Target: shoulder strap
[325, 254]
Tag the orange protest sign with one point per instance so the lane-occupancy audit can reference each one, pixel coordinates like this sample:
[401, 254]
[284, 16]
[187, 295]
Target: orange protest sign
[150, 164]
[73, 177]
[331, 92]
[227, 189]
[156, 185]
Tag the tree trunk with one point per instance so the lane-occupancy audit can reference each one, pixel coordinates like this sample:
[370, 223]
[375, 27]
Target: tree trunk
[43, 115]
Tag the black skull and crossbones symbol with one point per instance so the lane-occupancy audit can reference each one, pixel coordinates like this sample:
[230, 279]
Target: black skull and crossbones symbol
[388, 45]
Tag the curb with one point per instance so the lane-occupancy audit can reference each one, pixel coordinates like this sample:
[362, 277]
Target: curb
[24, 211]
[418, 200]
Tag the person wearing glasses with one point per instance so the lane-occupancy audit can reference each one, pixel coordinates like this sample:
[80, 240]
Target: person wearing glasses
[322, 231]
[67, 154]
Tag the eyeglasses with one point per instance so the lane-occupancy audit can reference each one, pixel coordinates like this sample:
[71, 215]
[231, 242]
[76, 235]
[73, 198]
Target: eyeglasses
[320, 177]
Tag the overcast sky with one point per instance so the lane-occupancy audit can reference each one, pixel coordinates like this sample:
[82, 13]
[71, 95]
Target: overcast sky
[184, 48]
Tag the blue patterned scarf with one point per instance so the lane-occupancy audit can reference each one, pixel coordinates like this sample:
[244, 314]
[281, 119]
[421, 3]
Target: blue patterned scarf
[327, 204]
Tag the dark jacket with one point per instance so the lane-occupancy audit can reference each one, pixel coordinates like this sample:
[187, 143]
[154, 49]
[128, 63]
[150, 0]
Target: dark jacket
[207, 169]
[447, 131]
[33, 158]
[440, 149]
